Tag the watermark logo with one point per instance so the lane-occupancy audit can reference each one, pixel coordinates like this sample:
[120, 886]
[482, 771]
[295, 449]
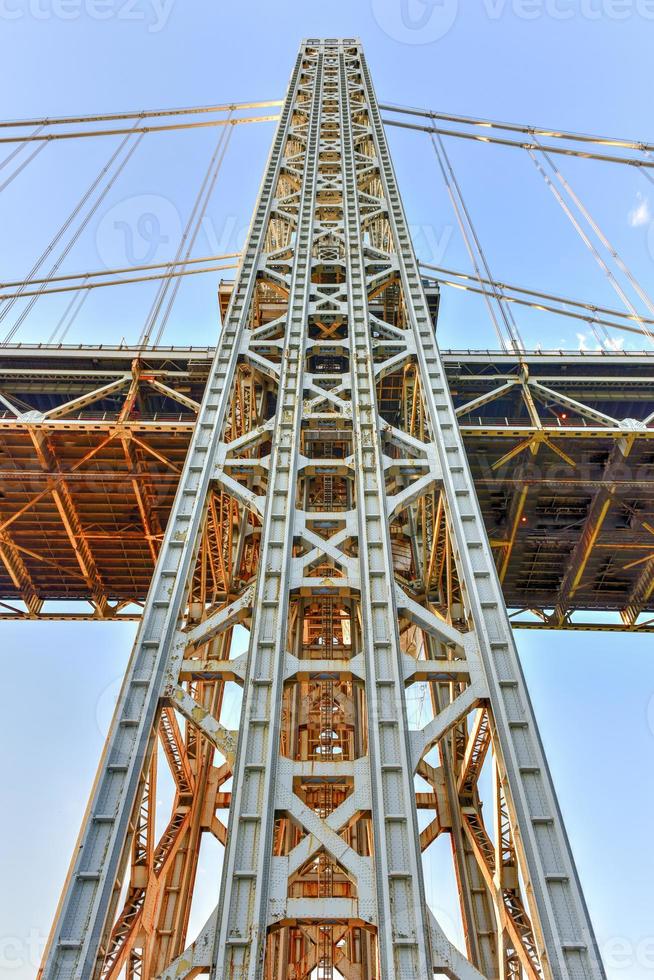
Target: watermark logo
[430, 244]
[427, 21]
[591, 10]
[147, 229]
[18, 952]
[621, 953]
[415, 21]
[140, 230]
[106, 705]
[153, 14]
[650, 714]
[230, 236]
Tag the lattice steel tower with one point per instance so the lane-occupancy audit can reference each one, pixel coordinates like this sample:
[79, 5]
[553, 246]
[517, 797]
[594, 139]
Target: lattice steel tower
[326, 504]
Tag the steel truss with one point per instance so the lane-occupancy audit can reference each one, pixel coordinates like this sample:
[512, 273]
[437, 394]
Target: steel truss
[539, 430]
[352, 548]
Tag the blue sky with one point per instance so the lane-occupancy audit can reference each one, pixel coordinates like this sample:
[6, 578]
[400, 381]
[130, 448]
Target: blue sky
[578, 64]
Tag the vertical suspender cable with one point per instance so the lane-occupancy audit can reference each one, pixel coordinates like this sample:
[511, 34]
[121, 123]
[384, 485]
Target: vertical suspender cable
[602, 336]
[67, 223]
[584, 237]
[473, 258]
[19, 148]
[75, 237]
[189, 235]
[177, 282]
[69, 315]
[21, 166]
[617, 258]
[64, 228]
[515, 340]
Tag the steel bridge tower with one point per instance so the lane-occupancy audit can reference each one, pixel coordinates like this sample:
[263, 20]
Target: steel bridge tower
[339, 512]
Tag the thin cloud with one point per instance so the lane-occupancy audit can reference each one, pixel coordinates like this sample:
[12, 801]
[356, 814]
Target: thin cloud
[640, 214]
[607, 343]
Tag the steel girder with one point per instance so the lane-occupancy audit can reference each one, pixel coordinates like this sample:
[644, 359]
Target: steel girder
[352, 547]
[539, 432]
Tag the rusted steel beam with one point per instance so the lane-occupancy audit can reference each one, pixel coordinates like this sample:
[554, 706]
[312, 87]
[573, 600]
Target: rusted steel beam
[71, 521]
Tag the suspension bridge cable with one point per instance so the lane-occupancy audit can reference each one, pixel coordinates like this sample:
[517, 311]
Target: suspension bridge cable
[87, 287]
[74, 299]
[76, 234]
[601, 334]
[613, 252]
[67, 223]
[594, 251]
[80, 134]
[470, 250]
[197, 213]
[194, 234]
[564, 150]
[136, 114]
[69, 316]
[21, 166]
[503, 287]
[646, 173]
[73, 317]
[114, 272]
[18, 149]
[543, 307]
[515, 339]
[538, 294]
[627, 144]
[171, 274]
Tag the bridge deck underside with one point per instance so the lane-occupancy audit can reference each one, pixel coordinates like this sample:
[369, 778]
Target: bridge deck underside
[561, 448]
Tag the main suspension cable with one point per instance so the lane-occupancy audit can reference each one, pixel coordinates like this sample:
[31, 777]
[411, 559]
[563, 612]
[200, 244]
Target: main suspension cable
[114, 272]
[627, 144]
[543, 307]
[137, 114]
[81, 134]
[442, 274]
[539, 294]
[170, 274]
[564, 150]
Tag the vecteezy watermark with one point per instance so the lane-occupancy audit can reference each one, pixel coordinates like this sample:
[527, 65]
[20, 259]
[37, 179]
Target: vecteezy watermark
[569, 9]
[620, 953]
[429, 244]
[139, 230]
[426, 21]
[105, 706]
[17, 952]
[154, 14]
[146, 229]
[230, 236]
[415, 21]
[650, 714]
